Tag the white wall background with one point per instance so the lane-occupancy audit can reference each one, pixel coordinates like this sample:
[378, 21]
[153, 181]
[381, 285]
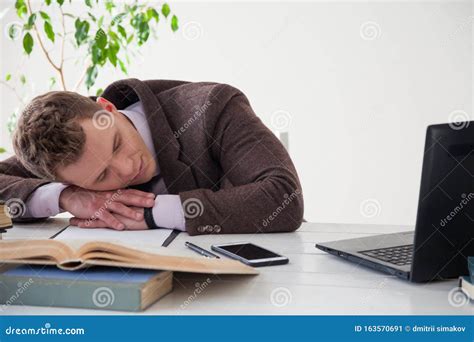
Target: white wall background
[357, 108]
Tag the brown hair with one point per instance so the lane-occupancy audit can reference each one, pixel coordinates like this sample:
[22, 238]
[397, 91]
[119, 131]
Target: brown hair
[48, 134]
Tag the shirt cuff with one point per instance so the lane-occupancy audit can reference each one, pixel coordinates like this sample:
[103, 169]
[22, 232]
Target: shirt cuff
[168, 212]
[44, 201]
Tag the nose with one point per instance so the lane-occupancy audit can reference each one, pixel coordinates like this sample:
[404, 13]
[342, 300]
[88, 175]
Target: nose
[124, 168]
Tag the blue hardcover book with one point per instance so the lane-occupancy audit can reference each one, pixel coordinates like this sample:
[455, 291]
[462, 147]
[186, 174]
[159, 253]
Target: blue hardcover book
[108, 288]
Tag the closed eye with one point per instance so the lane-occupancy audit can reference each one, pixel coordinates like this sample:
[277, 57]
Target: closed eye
[117, 144]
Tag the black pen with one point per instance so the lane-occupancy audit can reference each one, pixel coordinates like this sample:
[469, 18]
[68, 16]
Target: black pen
[200, 250]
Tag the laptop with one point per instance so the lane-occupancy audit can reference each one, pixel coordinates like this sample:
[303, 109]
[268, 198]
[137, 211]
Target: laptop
[444, 232]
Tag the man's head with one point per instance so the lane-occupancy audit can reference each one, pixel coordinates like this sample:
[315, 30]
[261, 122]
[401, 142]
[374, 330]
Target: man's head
[63, 136]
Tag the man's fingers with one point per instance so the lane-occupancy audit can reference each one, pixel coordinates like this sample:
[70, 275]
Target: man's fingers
[136, 200]
[123, 210]
[81, 223]
[139, 193]
[111, 221]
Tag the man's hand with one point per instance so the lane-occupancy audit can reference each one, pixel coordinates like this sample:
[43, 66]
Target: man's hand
[104, 208]
[130, 224]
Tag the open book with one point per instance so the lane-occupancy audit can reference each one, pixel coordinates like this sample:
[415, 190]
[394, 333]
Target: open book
[72, 255]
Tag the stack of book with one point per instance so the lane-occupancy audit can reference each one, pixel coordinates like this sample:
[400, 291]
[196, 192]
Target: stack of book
[466, 283]
[96, 274]
[5, 220]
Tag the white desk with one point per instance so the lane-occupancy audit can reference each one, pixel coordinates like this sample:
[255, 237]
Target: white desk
[312, 283]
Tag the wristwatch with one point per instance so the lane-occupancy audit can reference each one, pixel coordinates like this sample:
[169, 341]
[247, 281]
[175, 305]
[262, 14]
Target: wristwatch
[150, 221]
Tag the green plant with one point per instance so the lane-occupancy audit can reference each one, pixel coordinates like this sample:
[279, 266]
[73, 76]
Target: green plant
[105, 33]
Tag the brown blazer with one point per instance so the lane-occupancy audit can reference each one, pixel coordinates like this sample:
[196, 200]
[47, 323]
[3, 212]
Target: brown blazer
[231, 172]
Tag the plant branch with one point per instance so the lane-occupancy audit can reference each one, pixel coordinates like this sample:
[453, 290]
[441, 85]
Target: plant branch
[63, 37]
[81, 78]
[14, 90]
[40, 42]
[63, 40]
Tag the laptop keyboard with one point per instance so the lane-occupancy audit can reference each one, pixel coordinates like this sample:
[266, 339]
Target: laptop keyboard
[399, 255]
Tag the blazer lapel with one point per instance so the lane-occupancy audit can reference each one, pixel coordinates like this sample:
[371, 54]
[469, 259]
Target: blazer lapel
[177, 175]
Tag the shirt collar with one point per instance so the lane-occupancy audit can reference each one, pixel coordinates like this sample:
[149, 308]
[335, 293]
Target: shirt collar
[136, 115]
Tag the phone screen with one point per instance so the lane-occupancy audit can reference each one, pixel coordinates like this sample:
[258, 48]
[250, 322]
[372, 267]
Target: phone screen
[250, 251]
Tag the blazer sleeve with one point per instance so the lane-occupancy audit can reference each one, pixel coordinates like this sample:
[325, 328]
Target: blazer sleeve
[266, 195]
[16, 185]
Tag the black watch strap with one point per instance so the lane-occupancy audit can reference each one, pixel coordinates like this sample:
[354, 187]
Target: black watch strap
[150, 221]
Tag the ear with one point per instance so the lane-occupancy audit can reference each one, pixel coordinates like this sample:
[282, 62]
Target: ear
[106, 104]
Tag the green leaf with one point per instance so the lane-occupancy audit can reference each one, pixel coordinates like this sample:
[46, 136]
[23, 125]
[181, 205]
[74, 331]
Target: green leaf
[99, 92]
[123, 67]
[99, 56]
[2, 150]
[91, 76]
[94, 19]
[31, 21]
[122, 31]
[28, 43]
[152, 13]
[165, 9]
[44, 15]
[82, 31]
[60, 2]
[52, 82]
[8, 77]
[109, 6]
[130, 38]
[140, 23]
[48, 2]
[88, 3]
[48, 29]
[22, 79]
[101, 39]
[112, 55]
[113, 36]
[21, 8]
[118, 18]
[174, 23]
[13, 31]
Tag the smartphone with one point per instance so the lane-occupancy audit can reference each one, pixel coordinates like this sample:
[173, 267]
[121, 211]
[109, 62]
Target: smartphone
[250, 254]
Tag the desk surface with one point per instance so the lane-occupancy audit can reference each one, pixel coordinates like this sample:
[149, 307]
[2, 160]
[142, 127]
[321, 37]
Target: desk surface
[312, 283]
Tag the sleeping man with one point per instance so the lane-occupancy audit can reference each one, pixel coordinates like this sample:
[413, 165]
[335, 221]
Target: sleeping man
[151, 154]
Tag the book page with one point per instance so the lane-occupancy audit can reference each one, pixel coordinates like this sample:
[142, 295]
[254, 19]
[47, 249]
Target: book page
[144, 240]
